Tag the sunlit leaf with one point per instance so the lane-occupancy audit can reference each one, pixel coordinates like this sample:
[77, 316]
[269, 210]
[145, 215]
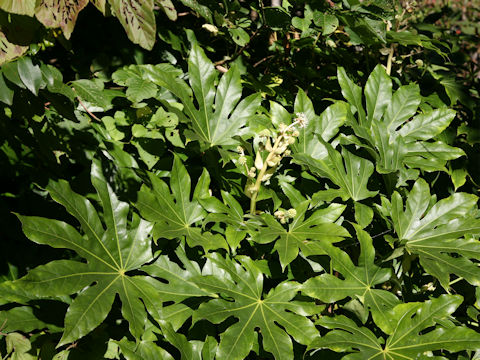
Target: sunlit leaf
[243, 284]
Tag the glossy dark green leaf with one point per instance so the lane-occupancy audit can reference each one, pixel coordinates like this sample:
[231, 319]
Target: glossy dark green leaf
[392, 131]
[302, 234]
[219, 114]
[30, 74]
[435, 232]
[408, 339]
[349, 172]
[358, 281]
[6, 94]
[243, 284]
[110, 253]
[174, 212]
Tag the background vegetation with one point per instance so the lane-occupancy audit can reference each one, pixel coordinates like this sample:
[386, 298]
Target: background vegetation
[239, 179]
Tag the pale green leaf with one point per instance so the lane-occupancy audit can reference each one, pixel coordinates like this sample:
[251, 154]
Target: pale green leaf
[21, 7]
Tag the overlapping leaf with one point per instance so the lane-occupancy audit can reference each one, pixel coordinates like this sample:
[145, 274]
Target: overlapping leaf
[326, 126]
[435, 232]
[391, 128]
[219, 114]
[358, 281]
[302, 234]
[175, 212]
[110, 254]
[349, 172]
[242, 286]
[408, 339]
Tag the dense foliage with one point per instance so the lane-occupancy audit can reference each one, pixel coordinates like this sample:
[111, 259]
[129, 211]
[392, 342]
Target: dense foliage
[239, 179]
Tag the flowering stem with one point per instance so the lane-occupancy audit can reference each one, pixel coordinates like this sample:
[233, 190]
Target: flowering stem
[256, 188]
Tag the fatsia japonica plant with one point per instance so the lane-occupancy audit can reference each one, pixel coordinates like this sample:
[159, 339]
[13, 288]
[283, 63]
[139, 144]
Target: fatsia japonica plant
[225, 226]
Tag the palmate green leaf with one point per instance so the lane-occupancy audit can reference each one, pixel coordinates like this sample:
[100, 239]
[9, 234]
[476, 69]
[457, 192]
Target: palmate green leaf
[391, 129]
[358, 281]
[175, 212]
[138, 20]
[349, 172]
[220, 114]
[435, 233]
[110, 253]
[302, 234]
[23, 319]
[59, 13]
[242, 285]
[229, 212]
[176, 286]
[408, 339]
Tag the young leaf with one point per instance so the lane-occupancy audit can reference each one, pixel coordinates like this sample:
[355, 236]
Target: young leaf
[220, 114]
[358, 281]
[173, 212]
[110, 254]
[302, 234]
[435, 234]
[408, 339]
[242, 284]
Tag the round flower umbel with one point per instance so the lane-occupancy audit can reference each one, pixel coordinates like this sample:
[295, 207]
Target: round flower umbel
[272, 148]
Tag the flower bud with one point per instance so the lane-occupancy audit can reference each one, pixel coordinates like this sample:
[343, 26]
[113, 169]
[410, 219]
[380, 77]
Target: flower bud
[242, 160]
[268, 145]
[259, 161]
[291, 213]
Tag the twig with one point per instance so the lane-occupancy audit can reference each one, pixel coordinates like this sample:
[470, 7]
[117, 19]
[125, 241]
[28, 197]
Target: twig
[262, 60]
[83, 105]
[382, 233]
[239, 52]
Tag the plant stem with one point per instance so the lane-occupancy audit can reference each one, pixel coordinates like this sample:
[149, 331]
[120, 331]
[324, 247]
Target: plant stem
[256, 188]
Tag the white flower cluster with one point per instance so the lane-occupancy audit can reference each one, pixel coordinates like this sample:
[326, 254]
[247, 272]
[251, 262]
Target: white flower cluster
[285, 215]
